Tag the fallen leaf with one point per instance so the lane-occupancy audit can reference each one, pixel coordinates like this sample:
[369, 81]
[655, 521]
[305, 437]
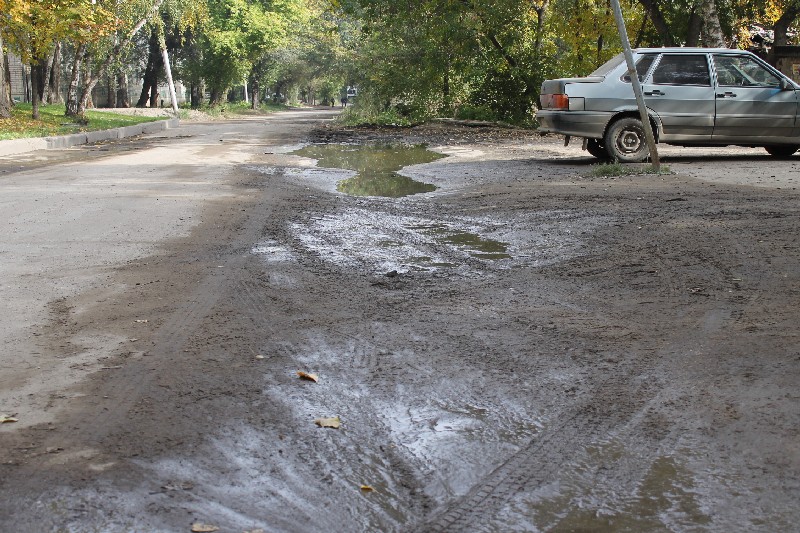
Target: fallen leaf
[197, 527]
[254, 531]
[260, 357]
[367, 488]
[334, 422]
[7, 418]
[141, 321]
[308, 377]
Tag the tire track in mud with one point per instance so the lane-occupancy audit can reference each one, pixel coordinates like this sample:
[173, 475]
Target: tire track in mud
[542, 459]
[614, 405]
[132, 381]
[359, 353]
[539, 462]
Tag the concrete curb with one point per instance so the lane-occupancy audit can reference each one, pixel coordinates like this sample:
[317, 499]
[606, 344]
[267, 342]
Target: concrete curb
[21, 146]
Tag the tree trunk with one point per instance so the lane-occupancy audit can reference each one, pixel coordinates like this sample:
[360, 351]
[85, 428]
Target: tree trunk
[37, 77]
[256, 96]
[5, 93]
[46, 67]
[7, 75]
[151, 72]
[540, 14]
[87, 86]
[712, 30]
[153, 101]
[640, 33]
[111, 96]
[197, 95]
[694, 30]
[54, 80]
[216, 97]
[35, 94]
[101, 68]
[781, 26]
[123, 98]
[72, 91]
[659, 22]
[86, 96]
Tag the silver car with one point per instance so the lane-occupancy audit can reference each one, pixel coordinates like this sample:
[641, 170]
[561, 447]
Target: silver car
[694, 97]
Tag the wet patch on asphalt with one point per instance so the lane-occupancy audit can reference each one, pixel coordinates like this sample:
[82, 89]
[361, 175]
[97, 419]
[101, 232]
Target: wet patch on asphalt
[382, 241]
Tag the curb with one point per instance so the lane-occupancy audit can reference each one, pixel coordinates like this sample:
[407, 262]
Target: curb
[21, 146]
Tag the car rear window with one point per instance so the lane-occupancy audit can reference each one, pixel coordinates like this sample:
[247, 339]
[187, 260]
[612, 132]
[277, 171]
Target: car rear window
[682, 69]
[606, 68]
[642, 66]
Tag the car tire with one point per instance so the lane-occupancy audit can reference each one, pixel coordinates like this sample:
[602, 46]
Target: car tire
[782, 150]
[625, 141]
[595, 147]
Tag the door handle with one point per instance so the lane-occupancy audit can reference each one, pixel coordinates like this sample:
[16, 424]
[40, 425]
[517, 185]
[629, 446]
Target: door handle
[727, 94]
[655, 92]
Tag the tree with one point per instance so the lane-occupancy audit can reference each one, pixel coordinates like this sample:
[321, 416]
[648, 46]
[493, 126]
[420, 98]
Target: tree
[712, 29]
[239, 34]
[32, 28]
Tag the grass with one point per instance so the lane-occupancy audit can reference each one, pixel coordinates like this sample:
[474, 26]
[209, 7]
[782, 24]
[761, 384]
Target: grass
[608, 170]
[53, 122]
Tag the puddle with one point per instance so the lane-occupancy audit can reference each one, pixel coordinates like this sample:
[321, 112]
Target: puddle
[376, 167]
[473, 244]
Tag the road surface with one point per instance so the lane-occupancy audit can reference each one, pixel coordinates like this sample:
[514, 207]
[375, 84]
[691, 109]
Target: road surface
[526, 348]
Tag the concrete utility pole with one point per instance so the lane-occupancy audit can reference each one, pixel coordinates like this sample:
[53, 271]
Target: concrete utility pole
[170, 82]
[637, 87]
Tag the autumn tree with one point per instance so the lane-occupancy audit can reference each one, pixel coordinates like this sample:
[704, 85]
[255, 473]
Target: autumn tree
[32, 29]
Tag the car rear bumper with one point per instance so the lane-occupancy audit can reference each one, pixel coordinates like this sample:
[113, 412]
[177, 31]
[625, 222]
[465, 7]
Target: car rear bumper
[589, 124]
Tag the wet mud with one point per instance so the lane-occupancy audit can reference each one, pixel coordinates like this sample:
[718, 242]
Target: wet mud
[523, 348]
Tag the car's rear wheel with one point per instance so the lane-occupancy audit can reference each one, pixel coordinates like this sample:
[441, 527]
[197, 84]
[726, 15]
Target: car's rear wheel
[596, 148]
[625, 141]
[782, 150]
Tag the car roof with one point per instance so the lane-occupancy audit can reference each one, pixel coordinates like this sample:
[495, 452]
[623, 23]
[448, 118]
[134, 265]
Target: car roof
[680, 49]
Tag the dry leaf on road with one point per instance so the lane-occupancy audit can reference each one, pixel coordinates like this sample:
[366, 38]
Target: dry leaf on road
[308, 377]
[7, 418]
[334, 422]
[198, 527]
[367, 488]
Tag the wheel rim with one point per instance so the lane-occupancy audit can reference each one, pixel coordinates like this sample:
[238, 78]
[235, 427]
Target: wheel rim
[629, 141]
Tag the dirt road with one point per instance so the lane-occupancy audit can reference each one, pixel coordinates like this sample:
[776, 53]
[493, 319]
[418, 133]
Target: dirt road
[526, 348]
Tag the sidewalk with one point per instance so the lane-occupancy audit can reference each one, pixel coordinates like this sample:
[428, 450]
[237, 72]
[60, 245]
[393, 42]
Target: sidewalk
[21, 146]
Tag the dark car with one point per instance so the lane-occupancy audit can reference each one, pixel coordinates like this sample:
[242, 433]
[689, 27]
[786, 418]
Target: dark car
[694, 97]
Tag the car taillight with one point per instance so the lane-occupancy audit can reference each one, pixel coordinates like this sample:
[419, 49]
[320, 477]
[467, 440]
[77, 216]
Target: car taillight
[555, 101]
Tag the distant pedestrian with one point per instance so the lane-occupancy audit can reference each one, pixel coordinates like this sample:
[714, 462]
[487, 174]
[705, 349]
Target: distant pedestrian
[344, 101]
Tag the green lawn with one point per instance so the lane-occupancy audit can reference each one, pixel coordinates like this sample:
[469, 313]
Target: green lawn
[53, 122]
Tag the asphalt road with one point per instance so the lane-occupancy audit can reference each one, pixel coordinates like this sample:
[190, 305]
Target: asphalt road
[526, 348]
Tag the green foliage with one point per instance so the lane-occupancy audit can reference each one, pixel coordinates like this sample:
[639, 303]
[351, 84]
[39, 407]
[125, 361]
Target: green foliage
[368, 111]
[239, 34]
[458, 57]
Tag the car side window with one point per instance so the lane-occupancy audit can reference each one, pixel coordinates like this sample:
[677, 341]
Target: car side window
[642, 66]
[743, 71]
[682, 69]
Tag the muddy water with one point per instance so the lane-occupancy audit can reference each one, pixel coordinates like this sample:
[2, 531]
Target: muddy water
[376, 167]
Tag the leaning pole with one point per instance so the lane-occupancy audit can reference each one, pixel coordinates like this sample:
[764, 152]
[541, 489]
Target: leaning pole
[637, 87]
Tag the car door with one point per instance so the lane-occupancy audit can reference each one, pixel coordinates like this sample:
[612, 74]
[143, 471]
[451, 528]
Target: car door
[679, 90]
[750, 104]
